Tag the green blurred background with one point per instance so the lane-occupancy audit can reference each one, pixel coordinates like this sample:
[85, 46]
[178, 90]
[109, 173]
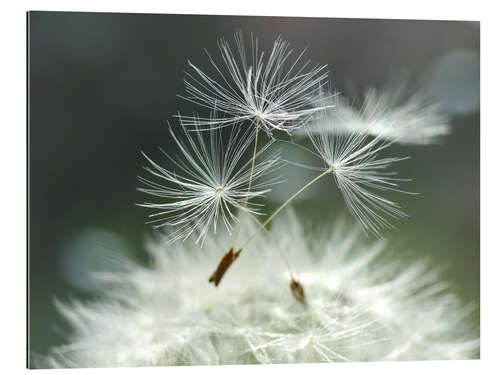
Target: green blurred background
[102, 87]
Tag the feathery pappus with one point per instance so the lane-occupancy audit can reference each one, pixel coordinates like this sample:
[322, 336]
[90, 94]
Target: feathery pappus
[363, 305]
[274, 90]
[209, 180]
[361, 174]
[390, 113]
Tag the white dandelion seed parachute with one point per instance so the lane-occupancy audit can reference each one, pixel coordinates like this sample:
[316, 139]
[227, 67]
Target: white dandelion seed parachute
[363, 305]
[361, 174]
[210, 181]
[389, 113]
[276, 91]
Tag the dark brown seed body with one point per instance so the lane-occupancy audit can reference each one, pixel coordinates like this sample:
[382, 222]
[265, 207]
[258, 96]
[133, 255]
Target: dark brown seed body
[224, 264]
[298, 291]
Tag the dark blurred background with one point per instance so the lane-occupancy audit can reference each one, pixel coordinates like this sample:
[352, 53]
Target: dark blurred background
[102, 87]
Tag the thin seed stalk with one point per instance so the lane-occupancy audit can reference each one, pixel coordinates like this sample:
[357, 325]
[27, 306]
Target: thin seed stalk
[232, 255]
[278, 210]
[238, 229]
[227, 260]
[268, 233]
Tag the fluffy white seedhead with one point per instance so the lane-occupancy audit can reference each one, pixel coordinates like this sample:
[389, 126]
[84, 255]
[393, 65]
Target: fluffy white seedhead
[389, 114]
[276, 90]
[361, 174]
[208, 181]
[364, 304]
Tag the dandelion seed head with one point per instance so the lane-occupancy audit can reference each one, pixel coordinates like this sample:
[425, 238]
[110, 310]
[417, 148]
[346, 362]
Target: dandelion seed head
[274, 89]
[363, 305]
[360, 174]
[389, 113]
[210, 184]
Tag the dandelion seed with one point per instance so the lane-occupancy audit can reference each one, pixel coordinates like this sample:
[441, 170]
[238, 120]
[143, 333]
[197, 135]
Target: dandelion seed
[298, 291]
[212, 182]
[224, 264]
[364, 304]
[389, 114]
[352, 160]
[359, 173]
[275, 92]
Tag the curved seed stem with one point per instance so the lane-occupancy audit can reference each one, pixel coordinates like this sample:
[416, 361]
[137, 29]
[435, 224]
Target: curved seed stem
[269, 234]
[263, 225]
[238, 229]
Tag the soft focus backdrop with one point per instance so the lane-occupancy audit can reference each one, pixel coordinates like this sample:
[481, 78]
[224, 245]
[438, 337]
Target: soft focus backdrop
[102, 87]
